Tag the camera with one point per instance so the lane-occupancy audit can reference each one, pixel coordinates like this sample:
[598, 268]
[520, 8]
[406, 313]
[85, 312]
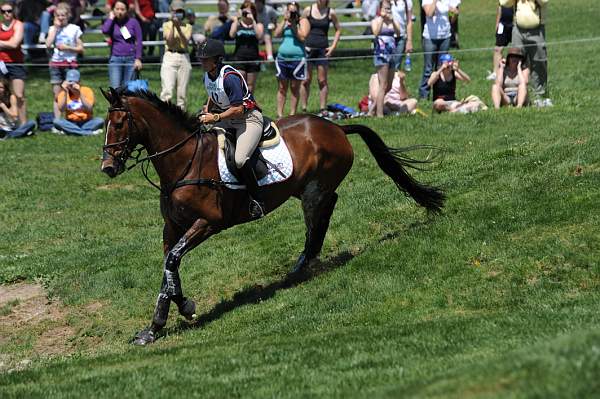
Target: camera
[245, 13]
[294, 15]
[179, 15]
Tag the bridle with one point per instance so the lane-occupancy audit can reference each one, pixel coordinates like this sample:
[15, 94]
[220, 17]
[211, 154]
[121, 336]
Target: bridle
[135, 153]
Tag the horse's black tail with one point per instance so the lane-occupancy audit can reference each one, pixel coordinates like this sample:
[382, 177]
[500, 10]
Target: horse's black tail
[393, 161]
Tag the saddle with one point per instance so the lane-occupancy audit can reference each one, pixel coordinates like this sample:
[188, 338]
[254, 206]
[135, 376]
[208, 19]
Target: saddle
[270, 137]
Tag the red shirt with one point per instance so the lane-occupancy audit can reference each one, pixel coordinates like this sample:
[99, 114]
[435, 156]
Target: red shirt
[146, 8]
[10, 55]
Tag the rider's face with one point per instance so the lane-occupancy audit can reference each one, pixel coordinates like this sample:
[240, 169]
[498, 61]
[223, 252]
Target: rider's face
[208, 64]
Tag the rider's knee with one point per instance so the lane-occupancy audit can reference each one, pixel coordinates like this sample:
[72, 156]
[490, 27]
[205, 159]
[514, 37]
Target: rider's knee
[240, 160]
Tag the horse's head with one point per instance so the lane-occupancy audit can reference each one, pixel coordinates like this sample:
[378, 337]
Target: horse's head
[120, 134]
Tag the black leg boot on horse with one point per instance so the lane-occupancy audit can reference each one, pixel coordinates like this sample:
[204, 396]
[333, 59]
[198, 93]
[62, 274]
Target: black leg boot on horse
[257, 204]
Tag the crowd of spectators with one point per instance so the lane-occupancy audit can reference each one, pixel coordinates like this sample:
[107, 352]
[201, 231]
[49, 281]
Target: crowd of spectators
[306, 46]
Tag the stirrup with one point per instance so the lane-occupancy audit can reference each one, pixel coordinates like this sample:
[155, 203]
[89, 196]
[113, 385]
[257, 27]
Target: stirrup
[256, 209]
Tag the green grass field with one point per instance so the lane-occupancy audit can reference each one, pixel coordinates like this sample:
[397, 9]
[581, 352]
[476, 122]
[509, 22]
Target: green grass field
[497, 297]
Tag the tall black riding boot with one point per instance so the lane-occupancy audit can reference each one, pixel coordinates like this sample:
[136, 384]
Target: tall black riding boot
[257, 205]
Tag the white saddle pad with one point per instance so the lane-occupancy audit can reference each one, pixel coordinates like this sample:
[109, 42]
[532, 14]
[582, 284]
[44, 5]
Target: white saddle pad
[278, 155]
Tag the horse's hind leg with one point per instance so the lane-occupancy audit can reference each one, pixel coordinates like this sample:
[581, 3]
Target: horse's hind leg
[317, 206]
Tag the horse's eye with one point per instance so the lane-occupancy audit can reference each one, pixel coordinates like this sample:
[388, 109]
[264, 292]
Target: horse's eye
[118, 125]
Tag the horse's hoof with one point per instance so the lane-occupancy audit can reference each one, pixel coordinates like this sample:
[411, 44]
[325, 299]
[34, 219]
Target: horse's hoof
[188, 309]
[144, 337]
[300, 263]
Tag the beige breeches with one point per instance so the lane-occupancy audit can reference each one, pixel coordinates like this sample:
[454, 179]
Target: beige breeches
[248, 131]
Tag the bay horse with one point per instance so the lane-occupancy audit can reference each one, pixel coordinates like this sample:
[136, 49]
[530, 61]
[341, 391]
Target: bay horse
[194, 202]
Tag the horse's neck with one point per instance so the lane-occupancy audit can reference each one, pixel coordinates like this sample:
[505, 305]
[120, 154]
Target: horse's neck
[169, 140]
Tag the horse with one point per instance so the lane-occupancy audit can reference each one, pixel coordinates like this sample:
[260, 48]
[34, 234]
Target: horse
[196, 204]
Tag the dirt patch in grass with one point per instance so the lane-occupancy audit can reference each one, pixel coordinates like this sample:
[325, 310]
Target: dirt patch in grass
[26, 311]
[117, 186]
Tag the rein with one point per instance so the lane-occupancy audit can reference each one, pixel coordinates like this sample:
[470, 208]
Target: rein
[126, 155]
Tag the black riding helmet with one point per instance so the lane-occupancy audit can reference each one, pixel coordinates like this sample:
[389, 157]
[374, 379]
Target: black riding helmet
[211, 48]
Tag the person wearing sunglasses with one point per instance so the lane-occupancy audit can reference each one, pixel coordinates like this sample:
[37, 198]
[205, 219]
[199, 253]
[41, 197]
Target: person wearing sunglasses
[11, 38]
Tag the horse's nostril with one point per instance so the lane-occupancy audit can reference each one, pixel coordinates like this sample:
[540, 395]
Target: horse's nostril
[110, 170]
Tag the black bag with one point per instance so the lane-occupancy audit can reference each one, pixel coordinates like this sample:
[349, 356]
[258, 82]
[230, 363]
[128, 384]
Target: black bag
[45, 121]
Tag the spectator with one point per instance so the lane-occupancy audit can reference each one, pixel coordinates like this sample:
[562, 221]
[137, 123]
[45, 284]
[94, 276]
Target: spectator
[65, 39]
[529, 33]
[402, 14]
[436, 37]
[218, 26]
[108, 7]
[197, 35]
[9, 121]
[318, 49]
[176, 68]
[144, 12]
[453, 17]
[247, 32]
[126, 44]
[510, 87]
[77, 102]
[268, 17]
[443, 82]
[504, 27]
[369, 10]
[11, 37]
[291, 57]
[386, 29]
[29, 12]
[396, 100]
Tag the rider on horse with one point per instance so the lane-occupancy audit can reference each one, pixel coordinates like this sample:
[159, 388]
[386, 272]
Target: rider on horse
[231, 105]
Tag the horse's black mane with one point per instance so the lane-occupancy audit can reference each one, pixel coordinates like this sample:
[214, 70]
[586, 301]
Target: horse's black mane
[184, 119]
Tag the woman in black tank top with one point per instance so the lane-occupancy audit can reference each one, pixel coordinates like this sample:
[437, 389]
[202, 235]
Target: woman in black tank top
[246, 32]
[318, 49]
[443, 83]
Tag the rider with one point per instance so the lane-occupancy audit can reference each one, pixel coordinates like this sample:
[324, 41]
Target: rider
[232, 105]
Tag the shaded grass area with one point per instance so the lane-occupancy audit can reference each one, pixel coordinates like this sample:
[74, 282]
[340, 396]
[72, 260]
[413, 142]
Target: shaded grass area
[495, 298]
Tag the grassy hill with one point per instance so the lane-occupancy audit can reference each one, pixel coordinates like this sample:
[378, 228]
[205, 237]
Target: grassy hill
[497, 297]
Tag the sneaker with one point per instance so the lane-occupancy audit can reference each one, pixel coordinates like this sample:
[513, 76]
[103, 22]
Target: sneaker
[548, 102]
[491, 75]
[97, 132]
[538, 102]
[42, 39]
[56, 131]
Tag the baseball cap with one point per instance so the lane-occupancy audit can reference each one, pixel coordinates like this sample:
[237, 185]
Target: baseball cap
[73, 75]
[446, 58]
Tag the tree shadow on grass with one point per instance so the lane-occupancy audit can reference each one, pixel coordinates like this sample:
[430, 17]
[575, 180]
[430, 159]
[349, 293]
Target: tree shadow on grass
[258, 293]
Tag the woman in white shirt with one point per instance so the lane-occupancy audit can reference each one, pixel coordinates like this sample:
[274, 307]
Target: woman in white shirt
[65, 39]
[436, 37]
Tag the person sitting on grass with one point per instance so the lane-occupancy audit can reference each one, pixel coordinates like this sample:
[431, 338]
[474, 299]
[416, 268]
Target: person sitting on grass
[512, 77]
[77, 103]
[9, 115]
[396, 101]
[443, 83]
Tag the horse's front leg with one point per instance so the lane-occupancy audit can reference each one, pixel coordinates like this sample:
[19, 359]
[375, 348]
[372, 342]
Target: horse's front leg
[171, 283]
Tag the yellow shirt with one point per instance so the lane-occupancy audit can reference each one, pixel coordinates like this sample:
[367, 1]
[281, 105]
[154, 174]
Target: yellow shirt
[185, 29]
[74, 110]
[529, 15]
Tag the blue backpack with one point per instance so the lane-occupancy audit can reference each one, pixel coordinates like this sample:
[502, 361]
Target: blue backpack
[45, 121]
[137, 84]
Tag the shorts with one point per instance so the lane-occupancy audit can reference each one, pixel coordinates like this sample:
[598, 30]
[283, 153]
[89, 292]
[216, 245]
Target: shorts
[504, 38]
[247, 64]
[291, 70]
[386, 59]
[58, 74]
[15, 72]
[316, 56]
[512, 97]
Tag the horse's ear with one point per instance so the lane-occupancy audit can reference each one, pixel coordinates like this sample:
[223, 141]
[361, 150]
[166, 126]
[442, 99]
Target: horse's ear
[115, 97]
[106, 95]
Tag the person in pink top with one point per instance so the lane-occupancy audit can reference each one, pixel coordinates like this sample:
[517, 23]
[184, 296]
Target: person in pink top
[11, 37]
